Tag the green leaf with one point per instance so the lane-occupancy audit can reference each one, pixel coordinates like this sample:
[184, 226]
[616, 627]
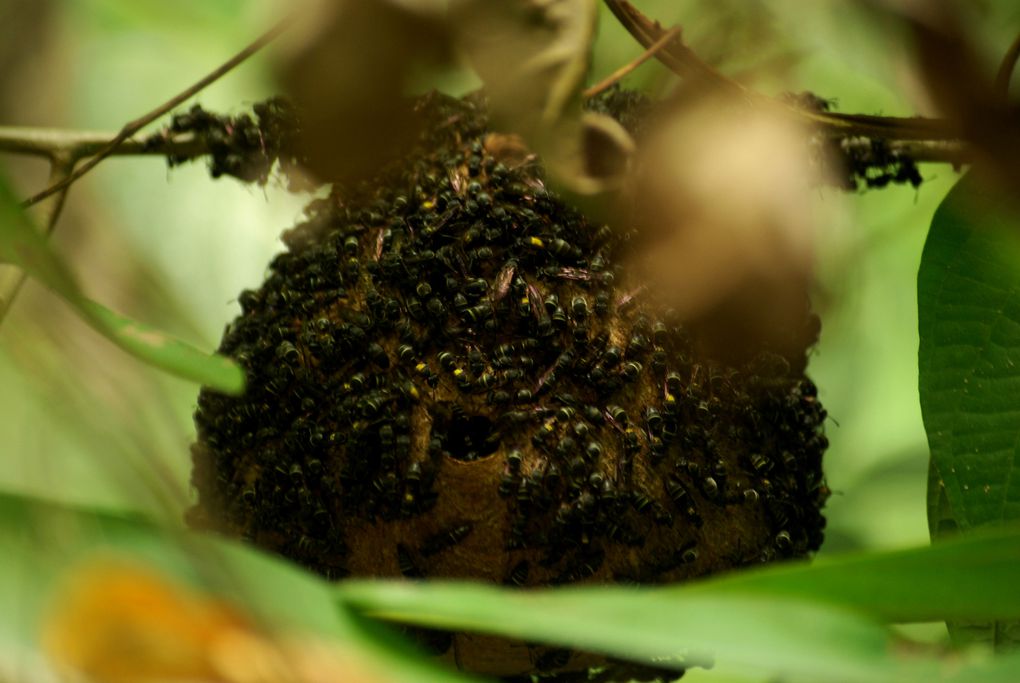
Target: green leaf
[968, 291]
[44, 543]
[164, 352]
[746, 632]
[971, 577]
[23, 245]
[795, 620]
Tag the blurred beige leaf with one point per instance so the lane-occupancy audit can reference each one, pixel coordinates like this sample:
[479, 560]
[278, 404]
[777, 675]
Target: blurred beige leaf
[589, 155]
[120, 623]
[533, 55]
[725, 199]
[348, 67]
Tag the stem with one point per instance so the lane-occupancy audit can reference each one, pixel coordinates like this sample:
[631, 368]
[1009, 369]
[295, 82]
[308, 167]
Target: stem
[133, 127]
[12, 278]
[50, 142]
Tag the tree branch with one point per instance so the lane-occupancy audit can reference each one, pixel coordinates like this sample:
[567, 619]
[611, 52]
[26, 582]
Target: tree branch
[51, 142]
[133, 127]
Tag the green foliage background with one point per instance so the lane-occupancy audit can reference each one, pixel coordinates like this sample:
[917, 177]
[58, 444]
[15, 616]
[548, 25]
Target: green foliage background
[83, 422]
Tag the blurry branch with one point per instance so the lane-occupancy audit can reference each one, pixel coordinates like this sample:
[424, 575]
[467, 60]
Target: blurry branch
[675, 55]
[1005, 74]
[944, 138]
[612, 78]
[133, 127]
[940, 151]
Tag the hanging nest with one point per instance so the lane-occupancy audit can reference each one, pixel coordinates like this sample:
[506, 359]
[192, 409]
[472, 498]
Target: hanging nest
[452, 375]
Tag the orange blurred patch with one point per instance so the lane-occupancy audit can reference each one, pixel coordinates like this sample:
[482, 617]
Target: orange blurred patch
[122, 623]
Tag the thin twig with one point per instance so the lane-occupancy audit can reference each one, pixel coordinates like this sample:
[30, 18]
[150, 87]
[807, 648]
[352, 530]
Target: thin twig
[678, 57]
[49, 142]
[12, 277]
[1005, 74]
[133, 127]
[612, 78]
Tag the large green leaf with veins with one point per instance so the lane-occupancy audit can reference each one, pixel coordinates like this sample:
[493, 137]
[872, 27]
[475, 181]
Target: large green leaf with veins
[968, 291]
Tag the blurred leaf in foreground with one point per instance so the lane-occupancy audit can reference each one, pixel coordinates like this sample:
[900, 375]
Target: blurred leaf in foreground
[795, 622]
[725, 195]
[118, 623]
[22, 245]
[533, 58]
[168, 591]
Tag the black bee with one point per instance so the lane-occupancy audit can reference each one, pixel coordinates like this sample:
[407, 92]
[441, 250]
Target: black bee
[445, 539]
[518, 576]
[406, 563]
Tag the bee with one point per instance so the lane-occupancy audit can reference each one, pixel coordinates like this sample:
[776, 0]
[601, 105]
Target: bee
[406, 353]
[653, 419]
[445, 539]
[631, 371]
[406, 563]
[553, 659]
[760, 463]
[518, 576]
[351, 245]
[435, 307]
[288, 353]
[498, 397]
[476, 287]
[478, 314]
[431, 378]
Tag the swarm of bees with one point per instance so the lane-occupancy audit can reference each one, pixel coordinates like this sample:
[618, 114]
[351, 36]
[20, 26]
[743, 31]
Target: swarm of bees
[452, 375]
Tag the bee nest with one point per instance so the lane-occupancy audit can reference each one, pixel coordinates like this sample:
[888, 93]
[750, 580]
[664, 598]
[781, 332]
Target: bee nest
[451, 374]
